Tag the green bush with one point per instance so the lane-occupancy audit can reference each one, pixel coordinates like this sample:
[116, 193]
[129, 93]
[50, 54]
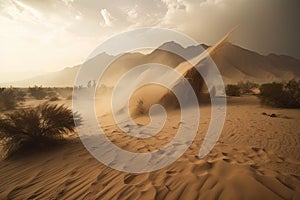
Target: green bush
[35, 127]
[286, 95]
[233, 90]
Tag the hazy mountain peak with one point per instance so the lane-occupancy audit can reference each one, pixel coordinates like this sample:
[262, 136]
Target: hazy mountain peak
[170, 45]
[234, 62]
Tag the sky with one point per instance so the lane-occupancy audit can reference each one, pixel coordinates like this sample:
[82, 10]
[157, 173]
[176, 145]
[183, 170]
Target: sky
[44, 36]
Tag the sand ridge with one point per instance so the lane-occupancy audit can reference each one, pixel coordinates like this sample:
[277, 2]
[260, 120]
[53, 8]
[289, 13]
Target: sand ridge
[256, 157]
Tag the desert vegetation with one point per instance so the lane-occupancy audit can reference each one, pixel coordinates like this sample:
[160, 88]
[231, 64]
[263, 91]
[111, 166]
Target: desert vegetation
[10, 98]
[140, 108]
[281, 94]
[35, 127]
[38, 92]
[275, 94]
[7, 99]
[52, 94]
[233, 90]
[247, 87]
[241, 88]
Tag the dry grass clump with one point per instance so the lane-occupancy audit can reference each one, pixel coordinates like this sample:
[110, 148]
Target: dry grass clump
[35, 127]
[10, 98]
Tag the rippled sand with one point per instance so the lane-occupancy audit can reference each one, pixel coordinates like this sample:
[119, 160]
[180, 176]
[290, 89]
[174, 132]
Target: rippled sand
[256, 157]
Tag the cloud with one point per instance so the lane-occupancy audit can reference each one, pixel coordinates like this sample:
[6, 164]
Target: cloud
[132, 14]
[42, 37]
[264, 25]
[19, 11]
[59, 33]
[68, 2]
[106, 17]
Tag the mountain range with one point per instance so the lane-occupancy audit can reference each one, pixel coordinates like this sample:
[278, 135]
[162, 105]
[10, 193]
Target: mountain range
[234, 63]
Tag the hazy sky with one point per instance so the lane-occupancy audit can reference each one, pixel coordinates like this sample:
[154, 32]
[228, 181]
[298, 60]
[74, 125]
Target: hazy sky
[47, 35]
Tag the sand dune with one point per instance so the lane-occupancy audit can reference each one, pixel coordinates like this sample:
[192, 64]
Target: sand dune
[257, 157]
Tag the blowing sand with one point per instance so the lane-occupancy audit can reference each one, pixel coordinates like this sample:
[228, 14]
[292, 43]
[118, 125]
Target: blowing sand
[256, 157]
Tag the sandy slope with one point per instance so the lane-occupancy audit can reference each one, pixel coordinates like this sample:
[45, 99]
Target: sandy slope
[256, 158]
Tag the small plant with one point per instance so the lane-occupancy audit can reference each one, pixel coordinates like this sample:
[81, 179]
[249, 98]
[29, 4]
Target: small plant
[233, 90]
[247, 87]
[52, 95]
[35, 127]
[64, 92]
[8, 99]
[37, 92]
[140, 109]
[20, 95]
[70, 97]
[54, 98]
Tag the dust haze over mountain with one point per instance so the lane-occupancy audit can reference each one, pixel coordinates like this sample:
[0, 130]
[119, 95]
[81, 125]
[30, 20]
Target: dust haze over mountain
[234, 63]
[46, 36]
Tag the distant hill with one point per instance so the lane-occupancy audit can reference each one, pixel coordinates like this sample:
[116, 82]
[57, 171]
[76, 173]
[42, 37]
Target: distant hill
[62, 78]
[235, 64]
[239, 64]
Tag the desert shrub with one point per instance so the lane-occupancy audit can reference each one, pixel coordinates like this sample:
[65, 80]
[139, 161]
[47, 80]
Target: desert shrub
[247, 87]
[233, 90]
[64, 92]
[70, 97]
[140, 109]
[20, 94]
[37, 92]
[52, 95]
[8, 99]
[35, 127]
[282, 94]
[270, 93]
[54, 98]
